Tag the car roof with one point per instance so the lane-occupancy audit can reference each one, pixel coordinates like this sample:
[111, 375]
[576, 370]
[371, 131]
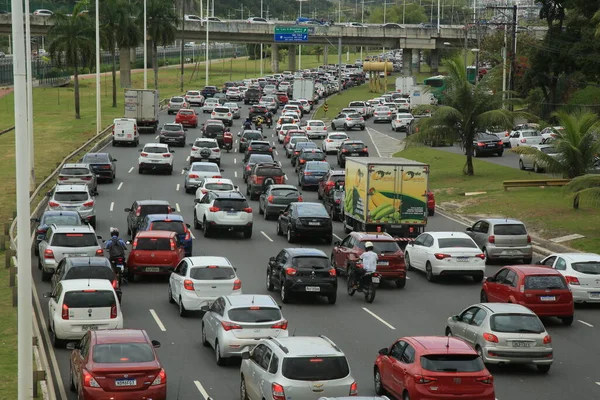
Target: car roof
[437, 344]
[71, 188]
[244, 300]
[501, 308]
[76, 165]
[309, 163]
[154, 234]
[502, 221]
[105, 336]
[82, 284]
[444, 235]
[204, 261]
[203, 163]
[575, 257]
[305, 251]
[164, 217]
[152, 202]
[353, 141]
[73, 228]
[309, 346]
[373, 236]
[202, 139]
[534, 270]
[217, 180]
[89, 261]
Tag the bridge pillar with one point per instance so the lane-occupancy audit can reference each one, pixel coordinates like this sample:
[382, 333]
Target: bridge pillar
[417, 60]
[275, 58]
[325, 54]
[292, 51]
[407, 55]
[435, 61]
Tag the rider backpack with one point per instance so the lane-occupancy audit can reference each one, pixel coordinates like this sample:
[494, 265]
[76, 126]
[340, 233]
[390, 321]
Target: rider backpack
[116, 250]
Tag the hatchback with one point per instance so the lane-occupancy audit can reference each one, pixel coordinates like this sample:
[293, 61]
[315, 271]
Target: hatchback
[102, 164]
[382, 113]
[285, 127]
[235, 109]
[187, 118]
[298, 147]
[222, 113]
[154, 253]
[582, 273]
[351, 148]
[140, 208]
[256, 159]
[305, 220]
[333, 142]
[215, 185]
[173, 133]
[171, 223]
[58, 218]
[193, 97]
[175, 104]
[261, 176]
[210, 104]
[316, 129]
[246, 137]
[524, 137]
[348, 121]
[276, 198]
[74, 198]
[502, 239]
[257, 147]
[307, 155]
[234, 93]
[312, 173]
[78, 174]
[402, 121]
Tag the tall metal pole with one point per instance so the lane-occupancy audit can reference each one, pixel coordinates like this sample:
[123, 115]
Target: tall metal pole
[261, 45]
[384, 10]
[339, 64]
[24, 277]
[300, 46]
[403, 11]
[29, 98]
[504, 67]
[98, 81]
[182, 46]
[513, 56]
[145, 46]
[362, 21]
[438, 18]
[206, 45]
[339, 11]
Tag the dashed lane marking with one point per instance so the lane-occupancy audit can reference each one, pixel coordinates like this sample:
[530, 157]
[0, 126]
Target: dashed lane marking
[378, 318]
[235, 173]
[201, 390]
[235, 160]
[585, 323]
[192, 235]
[276, 153]
[187, 159]
[157, 136]
[177, 207]
[267, 236]
[112, 205]
[177, 187]
[182, 171]
[337, 237]
[158, 321]
[120, 186]
[130, 169]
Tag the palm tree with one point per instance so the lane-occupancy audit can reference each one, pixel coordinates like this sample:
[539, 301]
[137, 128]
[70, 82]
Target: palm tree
[162, 28]
[467, 110]
[586, 188]
[72, 41]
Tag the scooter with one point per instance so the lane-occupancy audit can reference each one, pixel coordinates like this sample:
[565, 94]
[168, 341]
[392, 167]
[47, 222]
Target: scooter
[227, 141]
[367, 285]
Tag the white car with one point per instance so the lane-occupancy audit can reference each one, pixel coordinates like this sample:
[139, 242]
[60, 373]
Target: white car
[199, 281]
[291, 113]
[315, 128]
[402, 121]
[333, 142]
[270, 89]
[235, 109]
[284, 120]
[215, 185]
[233, 93]
[582, 273]
[43, 13]
[257, 20]
[306, 106]
[282, 131]
[552, 131]
[525, 137]
[193, 18]
[445, 253]
[156, 157]
[199, 171]
[528, 162]
[227, 211]
[222, 113]
[194, 97]
[292, 107]
[210, 104]
[402, 104]
[79, 305]
[205, 149]
[392, 106]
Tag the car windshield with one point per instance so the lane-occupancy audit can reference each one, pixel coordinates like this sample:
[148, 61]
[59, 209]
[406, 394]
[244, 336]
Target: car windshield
[90, 272]
[95, 158]
[254, 314]
[318, 166]
[456, 242]
[71, 196]
[544, 282]
[312, 210]
[284, 192]
[74, 240]
[587, 267]
[62, 220]
[452, 363]
[152, 244]
[122, 353]
[516, 323]
[75, 171]
[510, 229]
[269, 171]
[260, 158]
[172, 226]
[380, 246]
[206, 144]
[219, 186]
[231, 204]
[205, 168]
[315, 368]
[90, 299]
[156, 150]
[212, 273]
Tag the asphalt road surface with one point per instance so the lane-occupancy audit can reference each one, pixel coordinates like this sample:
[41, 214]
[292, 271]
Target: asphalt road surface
[358, 328]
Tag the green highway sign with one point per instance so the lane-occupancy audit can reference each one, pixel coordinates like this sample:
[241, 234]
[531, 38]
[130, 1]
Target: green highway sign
[291, 29]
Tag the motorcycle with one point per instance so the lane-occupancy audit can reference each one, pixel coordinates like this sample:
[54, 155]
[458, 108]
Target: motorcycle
[118, 266]
[227, 141]
[367, 285]
[269, 122]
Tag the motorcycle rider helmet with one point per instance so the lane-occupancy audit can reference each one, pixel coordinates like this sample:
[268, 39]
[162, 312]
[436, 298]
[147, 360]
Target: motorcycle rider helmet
[114, 231]
[369, 246]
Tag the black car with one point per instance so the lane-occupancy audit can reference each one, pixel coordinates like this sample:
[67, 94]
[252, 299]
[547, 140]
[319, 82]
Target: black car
[257, 147]
[140, 208]
[246, 137]
[487, 144]
[209, 91]
[304, 220]
[252, 95]
[228, 85]
[60, 218]
[255, 159]
[173, 133]
[301, 270]
[276, 198]
[86, 268]
[257, 111]
[334, 201]
[214, 129]
[351, 148]
[298, 147]
[102, 164]
[309, 155]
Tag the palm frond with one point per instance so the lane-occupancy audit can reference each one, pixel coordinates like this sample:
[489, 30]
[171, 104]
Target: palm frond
[582, 183]
[590, 196]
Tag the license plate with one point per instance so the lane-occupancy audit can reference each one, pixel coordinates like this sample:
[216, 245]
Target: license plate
[375, 279]
[383, 263]
[462, 259]
[595, 295]
[313, 289]
[125, 382]
[232, 212]
[547, 298]
[314, 223]
[521, 344]
[129, 135]
[120, 266]
[75, 255]
[152, 269]
[86, 328]
[353, 154]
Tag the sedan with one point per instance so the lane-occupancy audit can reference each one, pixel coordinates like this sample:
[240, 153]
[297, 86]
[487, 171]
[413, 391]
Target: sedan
[103, 165]
[582, 273]
[305, 220]
[333, 142]
[487, 144]
[276, 198]
[528, 162]
[382, 113]
[197, 172]
[210, 104]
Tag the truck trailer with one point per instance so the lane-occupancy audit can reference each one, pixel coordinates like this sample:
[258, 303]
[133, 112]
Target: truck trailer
[143, 106]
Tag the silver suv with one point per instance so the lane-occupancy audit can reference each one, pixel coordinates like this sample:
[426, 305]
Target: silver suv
[78, 174]
[74, 198]
[348, 121]
[301, 368]
[502, 239]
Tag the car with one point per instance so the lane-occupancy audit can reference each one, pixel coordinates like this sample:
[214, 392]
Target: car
[227, 86]
[285, 127]
[125, 131]
[390, 263]
[257, 147]
[360, 107]
[154, 253]
[173, 133]
[115, 357]
[414, 367]
[193, 18]
[43, 13]
[176, 103]
[541, 289]
[199, 281]
[305, 105]
[305, 220]
[246, 137]
[316, 128]
[282, 97]
[223, 211]
[334, 201]
[257, 20]
[74, 198]
[355, 25]
[402, 121]
[215, 185]
[348, 121]
[276, 198]
[209, 91]
[270, 102]
[528, 162]
[524, 137]
[205, 149]
[102, 164]
[256, 159]
[487, 144]
[329, 180]
[187, 117]
[351, 148]
[259, 316]
[307, 155]
[333, 142]
[445, 253]
[502, 239]
[198, 171]
[292, 138]
[270, 89]
[214, 129]
[234, 109]
[295, 106]
[156, 157]
[552, 132]
[58, 218]
[172, 223]
[252, 95]
[581, 271]
[234, 93]
[285, 120]
[78, 174]
[194, 97]
[382, 113]
[402, 105]
[298, 147]
[391, 25]
[85, 268]
[257, 111]
[504, 333]
[140, 208]
[209, 104]
[261, 176]
[222, 113]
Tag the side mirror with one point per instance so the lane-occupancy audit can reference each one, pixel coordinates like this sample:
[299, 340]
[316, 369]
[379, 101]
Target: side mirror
[35, 220]
[221, 169]
[127, 209]
[384, 352]
[236, 187]
[49, 193]
[205, 309]
[172, 151]
[71, 346]
[489, 279]
[337, 243]
[99, 237]
[155, 344]
[191, 145]
[48, 295]
[185, 129]
[186, 169]
[115, 160]
[455, 318]
[469, 229]
[246, 355]
[188, 225]
[239, 134]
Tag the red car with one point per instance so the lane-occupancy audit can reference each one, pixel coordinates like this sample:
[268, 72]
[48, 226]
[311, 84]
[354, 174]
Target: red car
[154, 253]
[187, 117]
[390, 264]
[329, 182]
[430, 204]
[117, 364]
[282, 98]
[541, 289]
[432, 367]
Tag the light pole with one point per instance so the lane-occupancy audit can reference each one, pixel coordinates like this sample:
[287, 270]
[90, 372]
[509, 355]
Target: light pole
[98, 98]
[261, 45]
[300, 46]
[206, 44]
[145, 46]
[403, 11]
[29, 97]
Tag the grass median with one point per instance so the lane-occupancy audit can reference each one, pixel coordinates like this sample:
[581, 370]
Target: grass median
[547, 212]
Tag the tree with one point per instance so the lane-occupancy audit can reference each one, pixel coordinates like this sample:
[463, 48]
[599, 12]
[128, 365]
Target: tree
[415, 14]
[162, 28]
[467, 110]
[72, 41]
[585, 188]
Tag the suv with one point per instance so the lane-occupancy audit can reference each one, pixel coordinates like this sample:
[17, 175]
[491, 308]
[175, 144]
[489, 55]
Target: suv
[255, 159]
[102, 164]
[59, 218]
[351, 148]
[224, 114]
[173, 133]
[257, 111]
[78, 174]
[252, 95]
[194, 97]
[209, 91]
[225, 210]
[154, 253]
[175, 104]
[246, 137]
[502, 239]
[74, 198]
[66, 241]
[204, 149]
[348, 121]
[140, 208]
[156, 156]
[315, 128]
[234, 93]
[213, 129]
[297, 367]
[260, 173]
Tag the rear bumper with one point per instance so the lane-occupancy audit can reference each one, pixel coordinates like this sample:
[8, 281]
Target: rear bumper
[489, 150]
[423, 392]
[510, 253]
[310, 181]
[325, 288]
[166, 139]
[551, 310]
[231, 227]
[275, 208]
[162, 167]
[457, 270]
[105, 173]
[148, 269]
[158, 392]
[313, 231]
[74, 330]
[193, 302]
[581, 295]
[509, 355]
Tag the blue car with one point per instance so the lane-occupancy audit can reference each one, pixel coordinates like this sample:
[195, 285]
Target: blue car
[171, 223]
[312, 173]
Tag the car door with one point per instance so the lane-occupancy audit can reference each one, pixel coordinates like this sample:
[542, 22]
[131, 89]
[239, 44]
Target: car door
[504, 288]
[464, 319]
[343, 251]
[472, 330]
[280, 262]
[203, 206]
[252, 385]
[176, 279]
[401, 368]
[217, 309]
[262, 373]
[416, 248]
[78, 359]
[58, 274]
[284, 219]
[427, 250]
[388, 376]
[494, 284]
[54, 301]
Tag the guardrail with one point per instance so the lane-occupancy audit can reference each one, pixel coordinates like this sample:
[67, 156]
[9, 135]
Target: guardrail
[535, 183]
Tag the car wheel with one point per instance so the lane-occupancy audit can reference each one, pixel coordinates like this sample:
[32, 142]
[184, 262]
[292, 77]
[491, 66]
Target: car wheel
[521, 165]
[405, 396]
[140, 170]
[170, 294]
[483, 297]
[401, 283]
[379, 390]
[243, 393]
[431, 212]
[170, 172]
[56, 342]
[568, 321]
[46, 276]
[429, 272]
[536, 169]
[279, 231]
[248, 233]
[333, 126]
[220, 360]
[500, 153]
[544, 369]
[362, 127]
[346, 127]
[283, 293]
[182, 310]
[206, 228]
[407, 262]
[204, 341]
[260, 210]
[290, 237]
[72, 387]
[478, 278]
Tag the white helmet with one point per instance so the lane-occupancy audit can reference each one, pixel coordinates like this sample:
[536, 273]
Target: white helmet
[368, 245]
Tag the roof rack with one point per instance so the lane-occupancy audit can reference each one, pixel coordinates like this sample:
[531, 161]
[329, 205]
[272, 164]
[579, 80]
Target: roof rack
[331, 343]
[282, 347]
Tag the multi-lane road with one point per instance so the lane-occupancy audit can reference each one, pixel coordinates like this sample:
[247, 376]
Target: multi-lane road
[360, 329]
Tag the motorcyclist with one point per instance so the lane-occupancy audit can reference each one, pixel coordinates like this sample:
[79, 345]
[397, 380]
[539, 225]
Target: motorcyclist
[248, 123]
[269, 119]
[115, 246]
[369, 263]
[258, 123]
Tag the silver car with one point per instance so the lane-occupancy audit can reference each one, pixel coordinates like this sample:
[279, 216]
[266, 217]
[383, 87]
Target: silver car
[528, 162]
[382, 113]
[175, 104]
[210, 104]
[502, 239]
[348, 121]
[197, 172]
[504, 333]
[74, 198]
[235, 109]
[78, 174]
[296, 367]
[234, 324]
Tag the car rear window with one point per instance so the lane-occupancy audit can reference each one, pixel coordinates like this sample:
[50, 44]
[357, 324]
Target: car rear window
[74, 240]
[544, 282]
[382, 246]
[548, 150]
[456, 242]
[404, 116]
[154, 209]
[311, 156]
[355, 116]
[95, 158]
[157, 150]
[516, 323]
[171, 226]
[206, 144]
[354, 145]
[287, 192]
[206, 168]
[510, 229]
[186, 112]
[315, 368]
[318, 166]
[221, 109]
[170, 128]
[193, 93]
[212, 273]
[312, 210]
[75, 171]
[62, 220]
[89, 299]
[254, 314]
[311, 262]
[231, 204]
[214, 128]
[118, 353]
[588, 267]
[452, 363]
[90, 272]
[260, 158]
[177, 100]
[153, 244]
[485, 136]
[219, 186]
[71, 196]
[356, 104]
[260, 146]
[286, 120]
[316, 124]
[252, 135]
[269, 171]
[338, 137]
[305, 145]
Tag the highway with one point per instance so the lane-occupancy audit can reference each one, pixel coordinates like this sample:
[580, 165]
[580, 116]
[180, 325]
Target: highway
[358, 328]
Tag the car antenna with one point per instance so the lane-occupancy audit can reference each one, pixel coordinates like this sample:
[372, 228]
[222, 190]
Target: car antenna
[252, 299]
[447, 343]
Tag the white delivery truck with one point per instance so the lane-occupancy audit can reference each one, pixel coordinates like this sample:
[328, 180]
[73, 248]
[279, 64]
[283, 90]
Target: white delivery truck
[143, 106]
[419, 96]
[304, 89]
[404, 85]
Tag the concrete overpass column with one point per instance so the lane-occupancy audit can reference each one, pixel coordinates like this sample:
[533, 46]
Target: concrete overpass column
[275, 58]
[407, 62]
[417, 60]
[292, 50]
[435, 61]
[325, 54]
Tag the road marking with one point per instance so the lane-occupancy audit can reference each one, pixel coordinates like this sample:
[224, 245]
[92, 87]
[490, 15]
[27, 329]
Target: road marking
[156, 137]
[120, 186]
[372, 141]
[378, 318]
[408, 277]
[598, 383]
[182, 171]
[235, 173]
[585, 323]
[285, 176]
[187, 159]
[192, 235]
[267, 236]
[157, 320]
[130, 169]
[276, 153]
[235, 150]
[177, 207]
[337, 237]
[201, 390]
[177, 187]
[112, 205]
[235, 160]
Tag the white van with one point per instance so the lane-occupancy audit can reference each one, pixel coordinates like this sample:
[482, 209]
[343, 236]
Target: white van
[125, 131]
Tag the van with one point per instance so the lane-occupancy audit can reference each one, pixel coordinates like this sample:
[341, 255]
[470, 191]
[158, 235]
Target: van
[125, 131]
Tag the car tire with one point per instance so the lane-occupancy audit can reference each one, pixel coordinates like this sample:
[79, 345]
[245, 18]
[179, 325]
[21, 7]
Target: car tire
[284, 293]
[483, 297]
[500, 153]
[290, 237]
[170, 172]
[279, 231]
[218, 359]
[332, 298]
[346, 127]
[568, 321]
[243, 391]
[544, 369]
[56, 342]
[429, 272]
[46, 276]
[206, 228]
[521, 165]
[333, 128]
[260, 210]
[536, 168]
[379, 390]
[405, 396]
[527, 260]
[170, 294]
[362, 127]
[319, 195]
[478, 278]
[140, 170]
[248, 233]
[401, 283]
[72, 387]
[182, 311]
[203, 335]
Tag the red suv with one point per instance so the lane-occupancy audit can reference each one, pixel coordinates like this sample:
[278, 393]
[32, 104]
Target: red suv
[329, 182]
[154, 253]
[432, 367]
[541, 289]
[390, 264]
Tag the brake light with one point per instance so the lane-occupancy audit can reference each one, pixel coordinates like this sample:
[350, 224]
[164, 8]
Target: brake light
[290, 271]
[488, 380]
[328, 140]
[306, 173]
[166, 155]
[188, 285]
[572, 280]
[277, 391]
[547, 339]
[491, 239]
[337, 201]
[89, 204]
[135, 242]
[194, 148]
[308, 128]
[88, 380]
[187, 235]
[214, 209]
[481, 255]
[280, 325]
[144, 154]
[113, 311]
[302, 161]
[480, 144]
[65, 311]
[528, 239]
[354, 389]
[248, 167]
[490, 337]
[217, 150]
[213, 113]
[114, 284]
[229, 114]
[248, 210]
[237, 284]
[62, 178]
[99, 253]
[424, 379]
[48, 254]
[332, 272]
[344, 151]
[217, 176]
[53, 204]
[193, 176]
[172, 242]
[441, 256]
[348, 119]
[523, 140]
[138, 211]
[160, 379]
[230, 325]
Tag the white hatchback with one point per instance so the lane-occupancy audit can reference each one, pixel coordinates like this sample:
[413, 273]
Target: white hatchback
[582, 273]
[283, 131]
[315, 128]
[402, 121]
[215, 185]
[210, 104]
[333, 142]
[156, 157]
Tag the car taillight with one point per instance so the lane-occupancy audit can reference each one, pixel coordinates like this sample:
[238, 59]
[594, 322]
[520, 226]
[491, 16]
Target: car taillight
[188, 236]
[248, 210]
[249, 148]
[48, 254]
[230, 325]
[491, 239]
[441, 256]
[62, 178]
[216, 150]
[193, 176]
[291, 271]
[88, 380]
[195, 148]
[166, 155]
[302, 161]
[572, 280]
[348, 119]
[188, 285]
[528, 239]
[328, 140]
[481, 255]
[344, 151]
[338, 201]
[53, 204]
[213, 113]
[365, 150]
[308, 128]
[547, 339]
[300, 199]
[424, 379]
[229, 114]
[480, 144]
[354, 389]
[490, 337]
[88, 204]
[144, 154]
[99, 253]
[332, 272]
[248, 167]
[306, 173]
[523, 140]
[237, 284]
[214, 209]
[160, 379]
[217, 176]
[280, 325]
[65, 311]
[270, 199]
[113, 311]
[277, 391]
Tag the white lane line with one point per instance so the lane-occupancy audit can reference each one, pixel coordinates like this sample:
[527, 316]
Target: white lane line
[267, 236]
[285, 176]
[156, 137]
[408, 277]
[585, 323]
[187, 159]
[120, 186]
[182, 171]
[177, 187]
[157, 320]
[201, 390]
[192, 235]
[235, 173]
[130, 169]
[235, 150]
[112, 205]
[598, 383]
[372, 141]
[378, 318]
[337, 237]
[276, 153]
[235, 160]
[177, 207]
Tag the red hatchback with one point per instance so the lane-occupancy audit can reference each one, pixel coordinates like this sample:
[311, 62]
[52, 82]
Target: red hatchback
[119, 364]
[432, 367]
[390, 263]
[541, 289]
[187, 117]
[329, 181]
[154, 253]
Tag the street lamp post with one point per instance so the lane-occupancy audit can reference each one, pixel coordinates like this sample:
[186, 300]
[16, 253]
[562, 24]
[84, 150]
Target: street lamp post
[206, 44]
[300, 46]
[29, 97]
[98, 98]
[261, 45]
[145, 46]
[476, 51]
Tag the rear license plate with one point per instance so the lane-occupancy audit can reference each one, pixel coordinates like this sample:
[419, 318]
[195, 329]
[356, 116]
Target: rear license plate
[314, 223]
[353, 154]
[375, 279]
[595, 295]
[86, 328]
[152, 269]
[232, 212]
[383, 263]
[125, 382]
[120, 266]
[462, 259]
[129, 135]
[313, 289]
[547, 298]
[521, 344]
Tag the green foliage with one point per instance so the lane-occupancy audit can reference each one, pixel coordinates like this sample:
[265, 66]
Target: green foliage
[585, 188]
[588, 96]
[162, 28]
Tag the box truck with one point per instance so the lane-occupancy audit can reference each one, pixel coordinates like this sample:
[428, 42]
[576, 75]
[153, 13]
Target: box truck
[304, 89]
[386, 195]
[404, 85]
[143, 106]
[420, 96]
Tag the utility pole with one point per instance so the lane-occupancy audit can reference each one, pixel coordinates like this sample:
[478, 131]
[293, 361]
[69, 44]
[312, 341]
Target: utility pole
[241, 10]
[513, 56]
[182, 45]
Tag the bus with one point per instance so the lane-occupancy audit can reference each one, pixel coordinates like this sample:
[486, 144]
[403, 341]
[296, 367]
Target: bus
[437, 86]
[471, 72]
